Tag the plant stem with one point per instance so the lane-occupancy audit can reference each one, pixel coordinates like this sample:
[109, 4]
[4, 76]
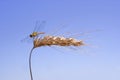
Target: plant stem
[30, 68]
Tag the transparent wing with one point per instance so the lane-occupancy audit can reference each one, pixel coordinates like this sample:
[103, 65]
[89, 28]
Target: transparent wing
[39, 25]
[27, 39]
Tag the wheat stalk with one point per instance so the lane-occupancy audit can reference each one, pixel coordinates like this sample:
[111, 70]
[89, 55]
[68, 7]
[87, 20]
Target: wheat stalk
[30, 68]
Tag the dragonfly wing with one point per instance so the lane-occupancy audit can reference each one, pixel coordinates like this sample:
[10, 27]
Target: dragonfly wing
[39, 26]
[27, 39]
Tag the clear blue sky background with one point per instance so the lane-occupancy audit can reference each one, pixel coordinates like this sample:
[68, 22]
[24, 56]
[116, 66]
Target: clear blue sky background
[17, 20]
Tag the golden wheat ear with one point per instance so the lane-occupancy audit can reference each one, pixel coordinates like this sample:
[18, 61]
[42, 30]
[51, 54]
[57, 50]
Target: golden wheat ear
[36, 42]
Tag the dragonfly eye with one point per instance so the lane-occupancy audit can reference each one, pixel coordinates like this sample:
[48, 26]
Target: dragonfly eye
[31, 35]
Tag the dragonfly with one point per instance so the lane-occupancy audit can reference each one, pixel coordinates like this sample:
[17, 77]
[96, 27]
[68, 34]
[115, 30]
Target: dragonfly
[36, 32]
[38, 26]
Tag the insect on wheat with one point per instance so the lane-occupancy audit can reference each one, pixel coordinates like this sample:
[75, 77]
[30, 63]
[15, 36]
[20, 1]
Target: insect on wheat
[50, 40]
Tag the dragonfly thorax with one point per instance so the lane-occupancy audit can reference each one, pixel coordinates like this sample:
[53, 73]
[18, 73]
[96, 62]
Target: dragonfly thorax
[34, 34]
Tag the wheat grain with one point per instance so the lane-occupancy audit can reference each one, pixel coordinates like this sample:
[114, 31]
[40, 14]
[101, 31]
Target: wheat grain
[59, 41]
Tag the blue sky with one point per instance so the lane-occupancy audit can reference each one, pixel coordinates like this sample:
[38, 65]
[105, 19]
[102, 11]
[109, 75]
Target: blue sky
[17, 20]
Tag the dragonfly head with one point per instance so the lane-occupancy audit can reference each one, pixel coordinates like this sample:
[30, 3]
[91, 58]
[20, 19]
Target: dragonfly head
[31, 35]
